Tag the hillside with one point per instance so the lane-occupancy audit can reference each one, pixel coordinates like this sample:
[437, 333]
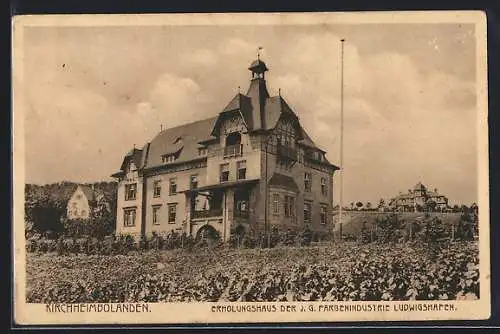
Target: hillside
[353, 220]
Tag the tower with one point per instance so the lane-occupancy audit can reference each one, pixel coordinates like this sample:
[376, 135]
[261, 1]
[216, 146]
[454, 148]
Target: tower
[257, 91]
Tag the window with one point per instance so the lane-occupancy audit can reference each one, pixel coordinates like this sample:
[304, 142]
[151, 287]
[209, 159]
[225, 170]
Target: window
[157, 189]
[156, 215]
[242, 169]
[129, 217]
[324, 189]
[289, 206]
[276, 204]
[323, 214]
[300, 154]
[307, 181]
[172, 189]
[224, 172]
[130, 191]
[307, 213]
[168, 158]
[202, 151]
[242, 207]
[193, 182]
[172, 209]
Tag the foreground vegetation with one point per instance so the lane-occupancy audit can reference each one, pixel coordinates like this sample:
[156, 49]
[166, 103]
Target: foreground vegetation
[330, 272]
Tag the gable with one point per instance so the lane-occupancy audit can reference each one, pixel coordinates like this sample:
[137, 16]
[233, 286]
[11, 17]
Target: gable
[288, 126]
[227, 122]
[80, 196]
[232, 123]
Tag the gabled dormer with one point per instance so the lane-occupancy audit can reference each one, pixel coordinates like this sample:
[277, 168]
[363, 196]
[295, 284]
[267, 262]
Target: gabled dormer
[131, 165]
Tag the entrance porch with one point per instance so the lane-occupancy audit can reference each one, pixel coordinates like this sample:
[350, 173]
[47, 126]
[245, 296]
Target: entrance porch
[221, 207]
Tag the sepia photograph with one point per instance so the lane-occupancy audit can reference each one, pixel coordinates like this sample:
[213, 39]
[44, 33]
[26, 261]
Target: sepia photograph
[229, 168]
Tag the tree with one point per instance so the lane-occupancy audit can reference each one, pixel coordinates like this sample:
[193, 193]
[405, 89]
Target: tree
[456, 208]
[368, 205]
[365, 234]
[430, 206]
[434, 231]
[474, 209]
[387, 228]
[102, 223]
[381, 204]
[359, 205]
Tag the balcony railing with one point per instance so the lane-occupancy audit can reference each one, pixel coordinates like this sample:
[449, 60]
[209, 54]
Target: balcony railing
[287, 152]
[312, 158]
[206, 213]
[241, 214]
[233, 150]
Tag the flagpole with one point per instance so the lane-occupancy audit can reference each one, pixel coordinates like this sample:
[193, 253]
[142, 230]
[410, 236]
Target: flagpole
[341, 134]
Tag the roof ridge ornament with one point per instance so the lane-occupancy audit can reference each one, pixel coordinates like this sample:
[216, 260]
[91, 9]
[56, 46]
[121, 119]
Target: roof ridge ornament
[258, 52]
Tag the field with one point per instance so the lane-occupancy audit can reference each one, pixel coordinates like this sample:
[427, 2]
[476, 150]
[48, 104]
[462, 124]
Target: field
[333, 272]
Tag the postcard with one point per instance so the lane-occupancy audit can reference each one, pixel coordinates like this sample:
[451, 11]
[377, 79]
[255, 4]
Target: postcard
[250, 168]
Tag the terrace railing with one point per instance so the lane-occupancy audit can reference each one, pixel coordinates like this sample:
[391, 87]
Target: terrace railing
[206, 213]
[233, 150]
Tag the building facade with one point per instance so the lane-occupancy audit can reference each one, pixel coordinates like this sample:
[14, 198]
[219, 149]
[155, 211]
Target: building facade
[419, 199]
[84, 201]
[248, 169]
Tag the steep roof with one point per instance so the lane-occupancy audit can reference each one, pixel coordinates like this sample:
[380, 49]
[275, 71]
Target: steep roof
[259, 110]
[135, 155]
[190, 135]
[419, 186]
[88, 192]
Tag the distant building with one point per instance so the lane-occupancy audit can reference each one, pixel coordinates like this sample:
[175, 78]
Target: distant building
[252, 167]
[84, 201]
[419, 199]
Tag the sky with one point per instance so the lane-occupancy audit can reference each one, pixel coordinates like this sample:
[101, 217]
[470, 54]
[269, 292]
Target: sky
[92, 93]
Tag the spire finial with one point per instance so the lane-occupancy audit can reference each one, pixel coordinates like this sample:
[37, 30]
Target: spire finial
[258, 52]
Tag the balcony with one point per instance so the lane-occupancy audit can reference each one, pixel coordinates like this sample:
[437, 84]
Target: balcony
[311, 157]
[233, 150]
[206, 213]
[287, 153]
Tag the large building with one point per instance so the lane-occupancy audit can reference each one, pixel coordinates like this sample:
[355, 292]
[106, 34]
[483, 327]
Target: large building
[419, 199]
[248, 169]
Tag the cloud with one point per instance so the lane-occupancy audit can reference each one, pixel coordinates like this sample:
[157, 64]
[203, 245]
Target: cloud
[396, 117]
[405, 119]
[233, 46]
[201, 57]
[179, 100]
